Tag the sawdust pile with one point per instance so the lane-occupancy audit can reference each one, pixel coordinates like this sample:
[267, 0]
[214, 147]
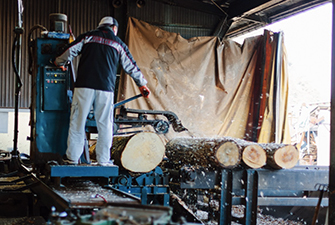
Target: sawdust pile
[238, 212]
[207, 211]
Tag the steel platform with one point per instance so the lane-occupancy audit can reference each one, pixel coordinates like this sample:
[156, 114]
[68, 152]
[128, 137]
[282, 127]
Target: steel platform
[85, 170]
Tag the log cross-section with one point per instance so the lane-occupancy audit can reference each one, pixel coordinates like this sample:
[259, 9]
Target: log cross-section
[281, 156]
[253, 155]
[139, 153]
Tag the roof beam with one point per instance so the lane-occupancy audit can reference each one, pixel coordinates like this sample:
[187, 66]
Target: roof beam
[240, 7]
[195, 5]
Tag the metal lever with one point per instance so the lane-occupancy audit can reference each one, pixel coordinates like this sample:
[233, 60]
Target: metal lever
[127, 100]
[322, 188]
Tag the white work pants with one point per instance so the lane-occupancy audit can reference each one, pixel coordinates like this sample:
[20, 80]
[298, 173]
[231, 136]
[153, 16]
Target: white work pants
[102, 101]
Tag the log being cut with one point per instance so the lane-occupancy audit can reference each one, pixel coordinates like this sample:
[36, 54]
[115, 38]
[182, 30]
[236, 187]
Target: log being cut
[204, 152]
[139, 153]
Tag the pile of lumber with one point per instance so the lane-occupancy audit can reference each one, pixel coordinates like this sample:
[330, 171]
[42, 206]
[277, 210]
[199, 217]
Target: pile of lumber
[229, 152]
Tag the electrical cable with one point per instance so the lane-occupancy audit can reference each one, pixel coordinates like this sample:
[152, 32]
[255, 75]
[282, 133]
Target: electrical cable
[19, 85]
[30, 45]
[225, 20]
[101, 196]
[15, 164]
[13, 62]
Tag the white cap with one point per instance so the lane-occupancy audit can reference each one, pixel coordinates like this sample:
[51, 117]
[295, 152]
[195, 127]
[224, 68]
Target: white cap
[108, 21]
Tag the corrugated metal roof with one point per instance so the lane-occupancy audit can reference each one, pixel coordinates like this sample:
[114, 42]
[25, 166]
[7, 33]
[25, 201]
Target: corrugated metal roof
[83, 15]
[6, 70]
[188, 23]
[189, 18]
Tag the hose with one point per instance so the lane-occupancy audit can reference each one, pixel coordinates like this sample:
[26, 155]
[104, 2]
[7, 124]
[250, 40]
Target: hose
[17, 161]
[30, 45]
[13, 62]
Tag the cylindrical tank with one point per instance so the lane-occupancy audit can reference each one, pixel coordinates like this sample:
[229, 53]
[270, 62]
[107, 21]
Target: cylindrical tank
[58, 22]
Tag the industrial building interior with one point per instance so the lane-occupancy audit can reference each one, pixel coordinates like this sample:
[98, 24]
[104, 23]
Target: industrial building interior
[213, 144]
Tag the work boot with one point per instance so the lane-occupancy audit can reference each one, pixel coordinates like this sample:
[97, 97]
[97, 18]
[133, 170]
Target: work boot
[109, 163]
[67, 161]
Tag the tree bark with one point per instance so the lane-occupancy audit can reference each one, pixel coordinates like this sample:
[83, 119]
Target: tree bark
[204, 152]
[227, 152]
[139, 153]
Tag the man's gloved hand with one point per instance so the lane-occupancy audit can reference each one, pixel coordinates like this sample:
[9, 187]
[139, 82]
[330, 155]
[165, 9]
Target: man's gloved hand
[53, 61]
[63, 68]
[145, 91]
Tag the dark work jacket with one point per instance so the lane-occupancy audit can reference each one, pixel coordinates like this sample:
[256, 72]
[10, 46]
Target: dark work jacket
[101, 52]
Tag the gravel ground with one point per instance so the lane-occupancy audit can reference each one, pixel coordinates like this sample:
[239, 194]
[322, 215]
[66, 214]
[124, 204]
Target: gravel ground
[264, 219]
[23, 221]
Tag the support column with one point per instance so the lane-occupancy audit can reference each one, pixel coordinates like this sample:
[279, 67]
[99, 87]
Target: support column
[226, 197]
[332, 132]
[251, 195]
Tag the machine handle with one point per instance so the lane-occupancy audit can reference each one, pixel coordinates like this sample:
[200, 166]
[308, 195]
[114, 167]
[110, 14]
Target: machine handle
[127, 100]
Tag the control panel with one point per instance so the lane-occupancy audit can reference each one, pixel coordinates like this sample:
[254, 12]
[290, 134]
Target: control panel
[55, 89]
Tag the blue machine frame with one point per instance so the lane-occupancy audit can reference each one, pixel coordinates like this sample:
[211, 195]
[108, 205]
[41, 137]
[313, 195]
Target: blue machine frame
[50, 116]
[50, 102]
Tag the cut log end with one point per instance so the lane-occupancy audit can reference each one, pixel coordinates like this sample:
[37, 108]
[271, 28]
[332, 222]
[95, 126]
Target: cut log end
[254, 156]
[286, 157]
[143, 152]
[228, 154]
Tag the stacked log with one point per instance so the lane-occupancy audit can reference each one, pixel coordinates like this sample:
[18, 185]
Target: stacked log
[142, 152]
[138, 153]
[203, 152]
[226, 152]
[281, 156]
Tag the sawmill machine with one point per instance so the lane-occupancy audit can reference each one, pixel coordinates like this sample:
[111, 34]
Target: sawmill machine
[45, 179]
[52, 89]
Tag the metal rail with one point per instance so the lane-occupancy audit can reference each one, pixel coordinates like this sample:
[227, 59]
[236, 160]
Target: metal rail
[48, 197]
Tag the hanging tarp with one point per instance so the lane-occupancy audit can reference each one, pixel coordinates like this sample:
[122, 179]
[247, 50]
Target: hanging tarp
[209, 84]
[273, 124]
